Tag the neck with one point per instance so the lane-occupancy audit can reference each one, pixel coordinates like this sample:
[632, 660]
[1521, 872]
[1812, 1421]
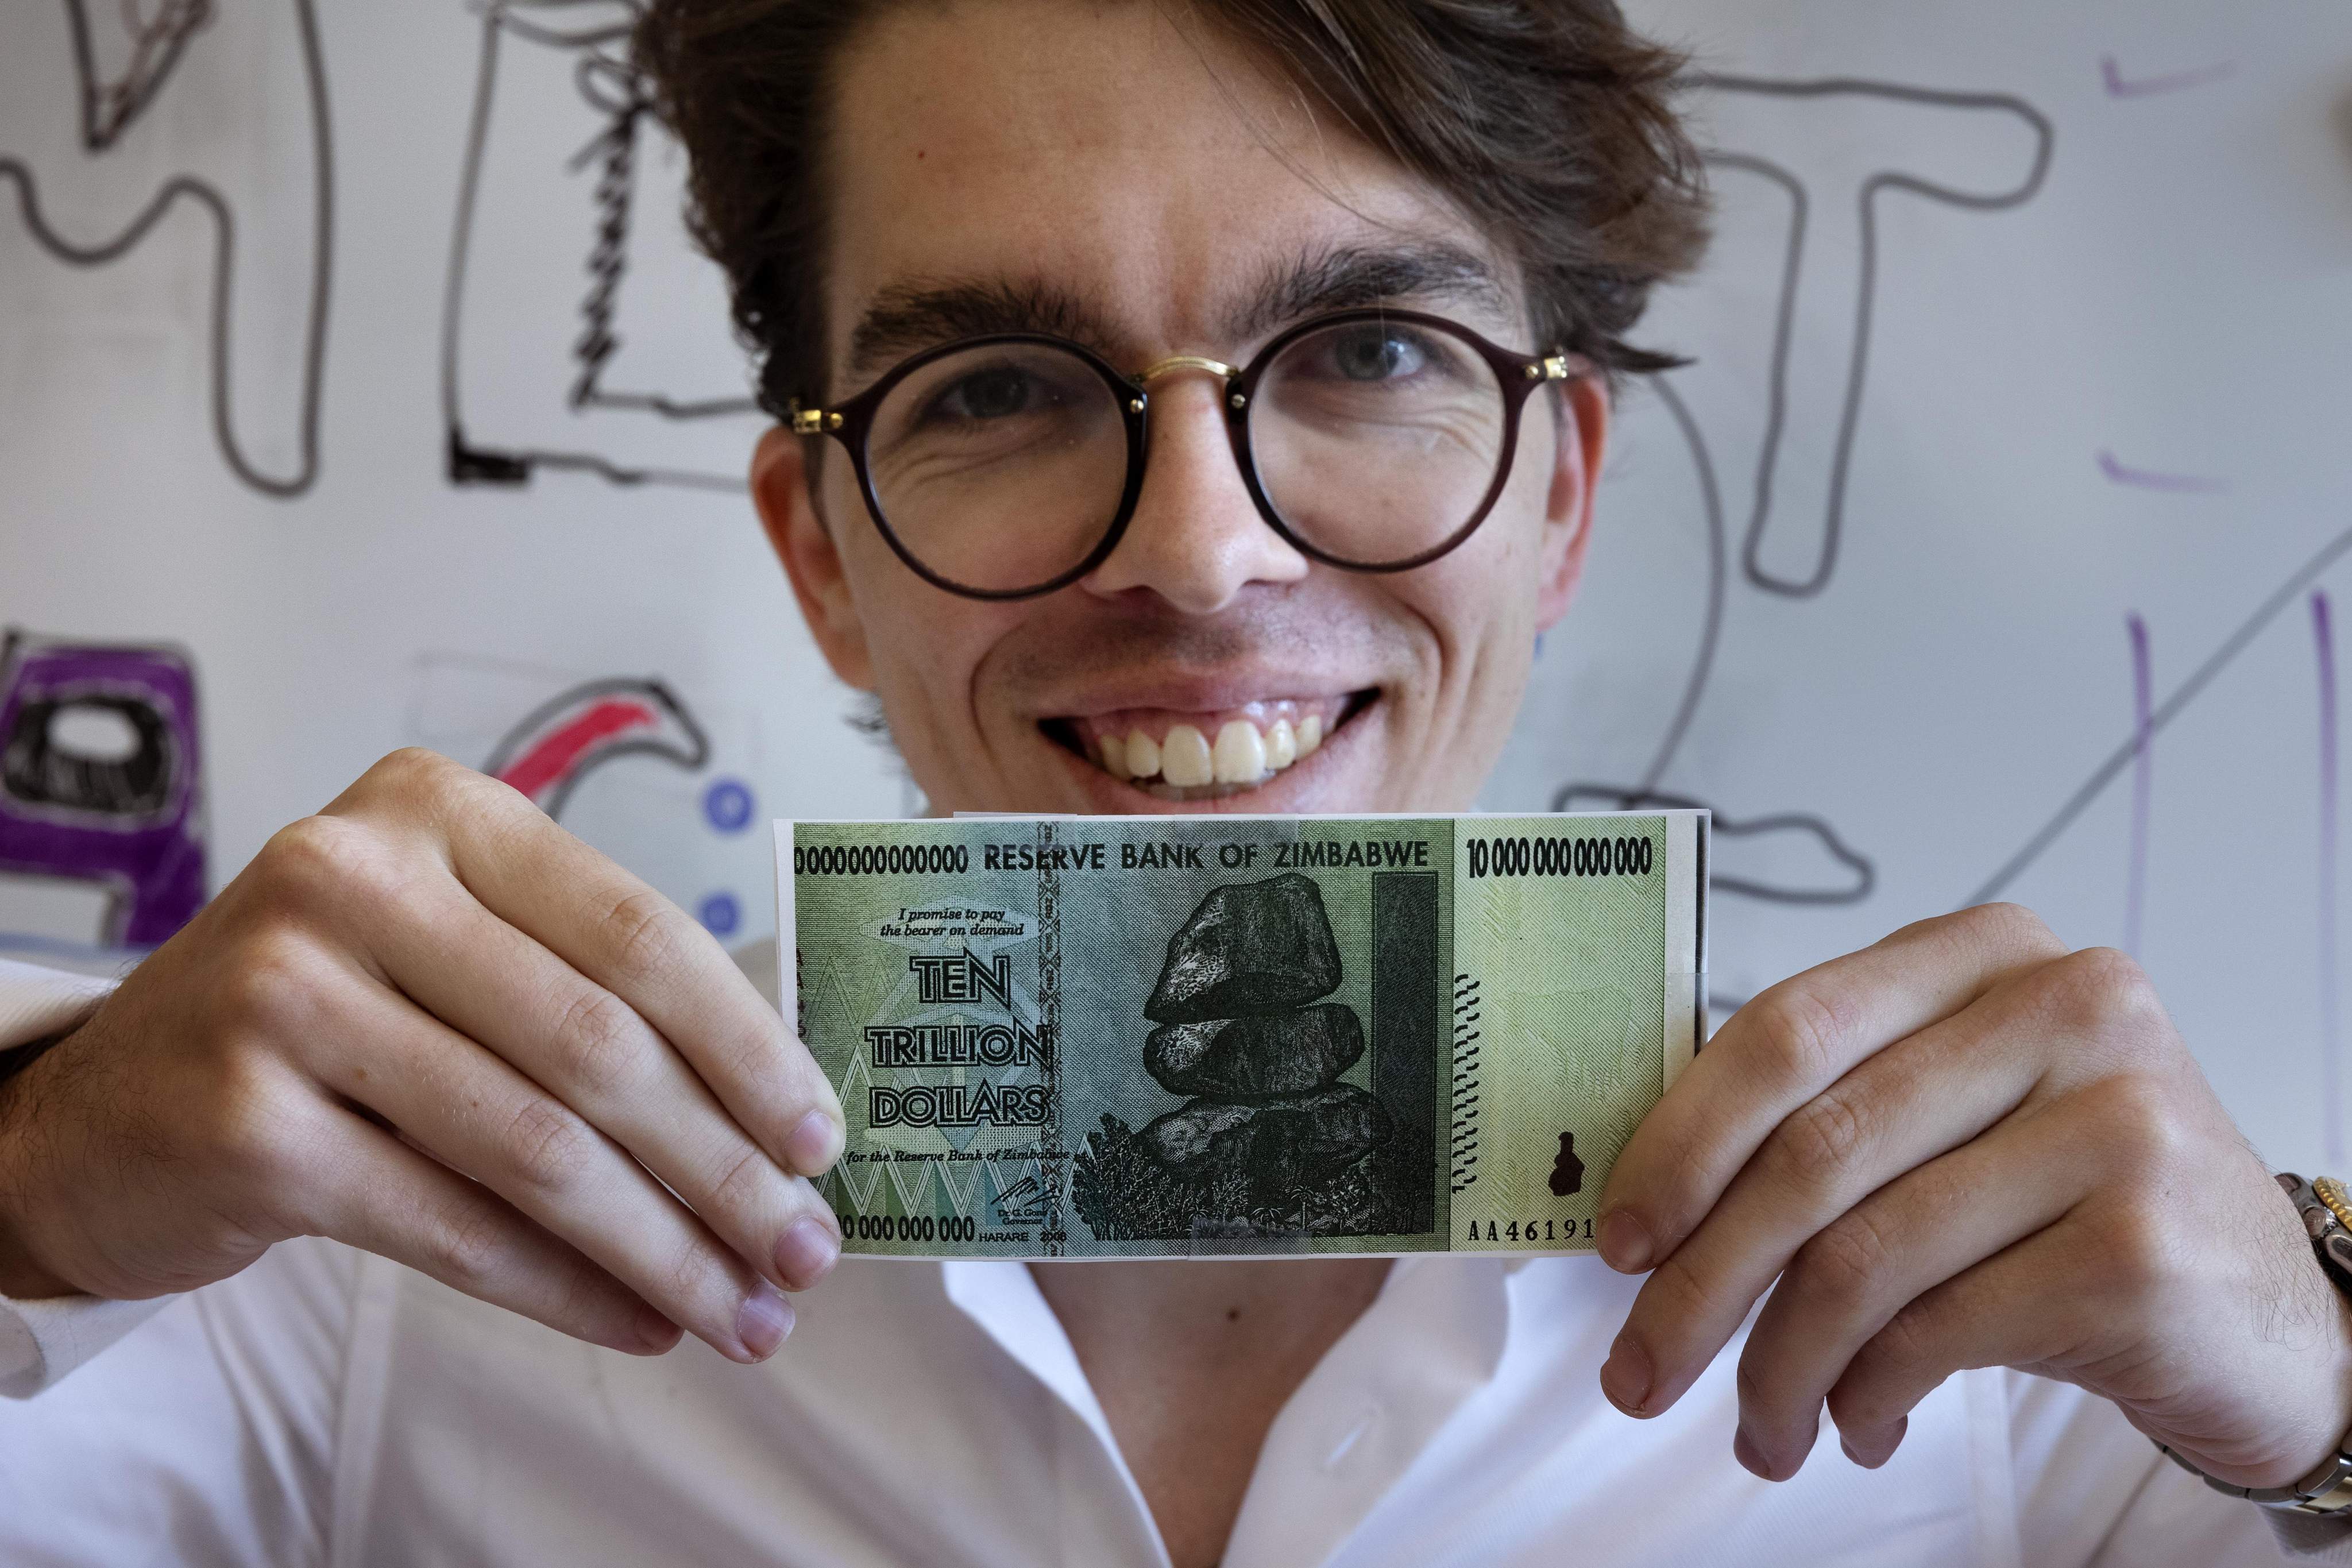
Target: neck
[1191, 1362]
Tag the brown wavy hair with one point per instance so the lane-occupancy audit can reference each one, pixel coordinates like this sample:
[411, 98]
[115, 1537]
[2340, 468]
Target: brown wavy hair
[1551, 121]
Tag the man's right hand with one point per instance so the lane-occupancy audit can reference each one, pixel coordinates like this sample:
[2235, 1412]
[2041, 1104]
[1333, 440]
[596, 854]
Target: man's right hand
[430, 1022]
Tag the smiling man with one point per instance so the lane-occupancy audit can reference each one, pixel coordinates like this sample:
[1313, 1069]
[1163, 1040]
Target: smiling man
[1183, 407]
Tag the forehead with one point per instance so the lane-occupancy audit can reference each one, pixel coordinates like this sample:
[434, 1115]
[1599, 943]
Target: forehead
[1141, 163]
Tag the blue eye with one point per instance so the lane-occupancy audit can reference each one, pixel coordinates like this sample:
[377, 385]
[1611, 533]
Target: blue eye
[1375, 355]
[995, 393]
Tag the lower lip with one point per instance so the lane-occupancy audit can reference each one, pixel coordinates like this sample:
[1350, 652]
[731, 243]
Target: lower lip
[1119, 798]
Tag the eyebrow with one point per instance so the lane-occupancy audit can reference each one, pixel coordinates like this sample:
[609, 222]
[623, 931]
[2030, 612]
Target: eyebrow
[907, 318]
[1347, 278]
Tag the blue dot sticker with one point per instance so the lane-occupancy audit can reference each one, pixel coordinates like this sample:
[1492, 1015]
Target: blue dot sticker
[728, 805]
[720, 915]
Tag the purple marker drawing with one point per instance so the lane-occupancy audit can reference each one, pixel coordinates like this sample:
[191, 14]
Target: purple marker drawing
[2149, 479]
[2323, 634]
[2143, 778]
[2119, 85]
[134, 822]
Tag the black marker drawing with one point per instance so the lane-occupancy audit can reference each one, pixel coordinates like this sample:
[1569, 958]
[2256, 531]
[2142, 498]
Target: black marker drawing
[112, 99]
[1845, 875]
[2145, 732]
[1866, 243]
[114, 96]
[609, 98]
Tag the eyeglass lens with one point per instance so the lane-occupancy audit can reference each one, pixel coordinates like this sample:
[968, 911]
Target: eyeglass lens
[1001, 466]
[1375, 441]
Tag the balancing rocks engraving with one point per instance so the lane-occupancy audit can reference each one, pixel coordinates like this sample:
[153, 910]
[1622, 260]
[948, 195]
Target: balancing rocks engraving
[1270, 1141]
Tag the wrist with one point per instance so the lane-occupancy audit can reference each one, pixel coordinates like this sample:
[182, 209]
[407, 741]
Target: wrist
[2331, 1264]
[23, 1276]
[2336, 1436]
[2319, 1433]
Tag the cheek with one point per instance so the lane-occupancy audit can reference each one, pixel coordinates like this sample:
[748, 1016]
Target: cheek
[1477, 606]
[924, 642]
[887, 596]
[1510, 543]
[1484, 594]
[1480, 603]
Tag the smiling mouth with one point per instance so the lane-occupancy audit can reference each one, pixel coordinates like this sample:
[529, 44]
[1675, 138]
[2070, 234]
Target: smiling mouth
[1181, 756]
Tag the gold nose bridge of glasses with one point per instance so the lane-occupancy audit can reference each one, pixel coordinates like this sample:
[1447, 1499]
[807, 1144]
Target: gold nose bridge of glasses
[1174, 362]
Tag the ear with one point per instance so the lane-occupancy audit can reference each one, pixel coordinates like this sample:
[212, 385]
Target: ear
[781, 490]
[1582, 415]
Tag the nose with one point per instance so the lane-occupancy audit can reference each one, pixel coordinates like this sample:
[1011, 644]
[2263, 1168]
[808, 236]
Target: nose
[1196, 539]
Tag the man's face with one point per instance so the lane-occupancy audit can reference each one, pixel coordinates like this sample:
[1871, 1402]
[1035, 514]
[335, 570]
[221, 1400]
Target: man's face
[1152, 189]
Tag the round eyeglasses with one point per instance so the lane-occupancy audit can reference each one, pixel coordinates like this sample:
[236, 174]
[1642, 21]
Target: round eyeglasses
[1008, 466]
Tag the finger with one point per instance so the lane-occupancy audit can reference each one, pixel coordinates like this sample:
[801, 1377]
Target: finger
[2014, 1309]
[1848, 1282]
[592, 1051]
[477, 1114]
[1918, 1098]
[627, 938]
[1784, 1047]
[388, 1199]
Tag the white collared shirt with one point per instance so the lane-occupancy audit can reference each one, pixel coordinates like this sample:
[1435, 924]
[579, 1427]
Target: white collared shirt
[328, 1407]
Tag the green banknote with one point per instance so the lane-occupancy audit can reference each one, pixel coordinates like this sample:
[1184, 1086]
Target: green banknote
[1237, 1037]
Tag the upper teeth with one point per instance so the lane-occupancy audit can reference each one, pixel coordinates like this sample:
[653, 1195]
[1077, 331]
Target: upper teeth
[1240, 754]
[1185, 758]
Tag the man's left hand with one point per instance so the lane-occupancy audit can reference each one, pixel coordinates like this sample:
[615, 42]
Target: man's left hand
[1967, 1147]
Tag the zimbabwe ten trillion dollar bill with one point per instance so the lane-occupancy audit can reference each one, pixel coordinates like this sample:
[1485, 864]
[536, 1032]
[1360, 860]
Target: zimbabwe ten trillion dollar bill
[1236, 1036]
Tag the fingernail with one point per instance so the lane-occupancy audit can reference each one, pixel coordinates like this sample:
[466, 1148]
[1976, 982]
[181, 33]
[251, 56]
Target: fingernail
[1744, 1449]
[1625, 1245]
[763, 1322]
[1626, 1376]
[807, 1250]
[1874, 1446]
[813, 1145]
[655, 1333]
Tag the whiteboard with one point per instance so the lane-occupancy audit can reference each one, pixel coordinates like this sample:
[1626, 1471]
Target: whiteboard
[2037, 605]
[354, 367]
